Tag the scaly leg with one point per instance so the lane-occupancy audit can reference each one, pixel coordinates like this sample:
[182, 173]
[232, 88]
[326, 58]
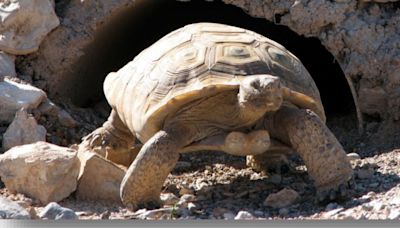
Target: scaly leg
[235, 143]
[113, 140]
[142, 183]
[323, 155]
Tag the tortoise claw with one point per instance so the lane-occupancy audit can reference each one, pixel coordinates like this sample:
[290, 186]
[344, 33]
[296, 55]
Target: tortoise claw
[334, 194]
[95, 140]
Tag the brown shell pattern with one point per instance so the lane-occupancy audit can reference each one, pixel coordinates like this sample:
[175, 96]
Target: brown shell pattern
[193, 61]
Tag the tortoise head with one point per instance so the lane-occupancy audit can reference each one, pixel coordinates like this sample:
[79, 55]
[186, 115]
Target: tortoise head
[260, 93]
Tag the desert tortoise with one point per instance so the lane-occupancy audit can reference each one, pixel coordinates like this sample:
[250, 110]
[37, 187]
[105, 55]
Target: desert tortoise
[218, 87]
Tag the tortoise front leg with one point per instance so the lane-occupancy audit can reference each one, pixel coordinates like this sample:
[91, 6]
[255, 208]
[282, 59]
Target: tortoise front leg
[142, 183]
[113, 140]
[323, 155]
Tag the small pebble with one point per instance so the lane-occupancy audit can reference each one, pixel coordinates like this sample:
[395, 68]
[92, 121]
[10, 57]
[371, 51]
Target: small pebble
[353, 156]
[283, 198]
[395, 201]
[54, 211]
[188, 198]
[394, 214]
[185, 190]
[105, 215]
[378, 206]
[331, 206]
[191, 207]
[12, 210]
[162, 213]
[275, 179]
[229, 215]
[367, 206]
[283, 211]
[244, 215]
[66, 119]
[365, 173]
[259, 213]
[169, 198]
[333, 212]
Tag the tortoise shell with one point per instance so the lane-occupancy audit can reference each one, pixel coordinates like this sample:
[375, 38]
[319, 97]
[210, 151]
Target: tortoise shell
[195, 61]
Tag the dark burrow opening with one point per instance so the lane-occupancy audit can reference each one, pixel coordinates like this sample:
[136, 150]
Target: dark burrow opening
[145, 22]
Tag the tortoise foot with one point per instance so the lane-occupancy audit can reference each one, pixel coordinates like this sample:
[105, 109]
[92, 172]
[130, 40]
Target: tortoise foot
[111, 147]
[335, 192]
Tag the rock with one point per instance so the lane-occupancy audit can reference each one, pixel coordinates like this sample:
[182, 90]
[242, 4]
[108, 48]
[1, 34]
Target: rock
[66, 119]
[282, 198]
[105, 215]
[228, 215]
[377, 205]
[7, 67]
[14, 96]
[353, 156]
[331, 206]
[365, 173]
[191, 207]
[185, 190]
[394, 214]
[283, 211]
[169, 198]
[333, 212]
[54, 211]
[25, 23]
[48, 107]
[244, 215]
[42, 171]
[162, 213]
[99, 179]
[185, 199]
[219, 211]
[32, 213]
[275, 179]
[395, 201]
[23, 130]
[259, 213]
[188, 197]
[12, 210]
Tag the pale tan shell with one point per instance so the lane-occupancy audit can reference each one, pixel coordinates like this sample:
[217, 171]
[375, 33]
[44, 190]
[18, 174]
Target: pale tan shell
[195, 61]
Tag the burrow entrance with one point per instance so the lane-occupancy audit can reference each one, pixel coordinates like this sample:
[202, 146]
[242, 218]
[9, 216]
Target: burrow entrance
[147, 21]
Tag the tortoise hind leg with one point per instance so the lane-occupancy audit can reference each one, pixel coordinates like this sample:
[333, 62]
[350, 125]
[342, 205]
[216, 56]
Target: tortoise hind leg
[323, 155]
[235, 143]
[113, 140]
[142, 183]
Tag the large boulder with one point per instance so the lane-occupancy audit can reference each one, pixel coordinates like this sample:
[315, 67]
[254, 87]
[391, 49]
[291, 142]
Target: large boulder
[24, 24]
[23, 130]
[41, 170]
[14, 96]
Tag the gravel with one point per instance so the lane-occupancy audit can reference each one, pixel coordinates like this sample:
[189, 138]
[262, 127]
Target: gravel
[214, 185]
